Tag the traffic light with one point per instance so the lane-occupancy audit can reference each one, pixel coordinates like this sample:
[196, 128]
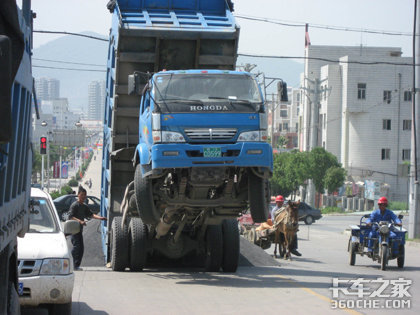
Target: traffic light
[43, 145]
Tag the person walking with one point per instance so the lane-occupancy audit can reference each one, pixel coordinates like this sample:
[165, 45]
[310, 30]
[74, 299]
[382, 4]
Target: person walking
[79, 211]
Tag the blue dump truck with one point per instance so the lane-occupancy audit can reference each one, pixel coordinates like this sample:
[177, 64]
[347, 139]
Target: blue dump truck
[185, 135]
[16, 86]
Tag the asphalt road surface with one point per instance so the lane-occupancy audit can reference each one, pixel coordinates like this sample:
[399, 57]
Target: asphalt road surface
[262, 283]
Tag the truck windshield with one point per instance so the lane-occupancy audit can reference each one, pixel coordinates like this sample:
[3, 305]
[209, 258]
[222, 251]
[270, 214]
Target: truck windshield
[235, 90]
[41, 219]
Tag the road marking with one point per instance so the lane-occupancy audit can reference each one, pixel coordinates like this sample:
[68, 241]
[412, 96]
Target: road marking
[320, 296]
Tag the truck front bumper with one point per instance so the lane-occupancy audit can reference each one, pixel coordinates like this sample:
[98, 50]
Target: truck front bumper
[46, 289]
[242, 154]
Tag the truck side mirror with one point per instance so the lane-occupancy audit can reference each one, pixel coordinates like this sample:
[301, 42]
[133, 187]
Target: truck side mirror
[71, 227]
[5, 89]
[136, 82]
[282, 90]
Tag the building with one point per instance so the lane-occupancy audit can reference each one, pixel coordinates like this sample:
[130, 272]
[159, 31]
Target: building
[357, 105]
[47, 89]
[96, 100]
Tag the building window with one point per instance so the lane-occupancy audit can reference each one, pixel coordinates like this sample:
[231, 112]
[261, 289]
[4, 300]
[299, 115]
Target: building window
[361, 91]
[407, 124]
[386, 154]
[325, 120]
[406, 154]
[387, 96]
[386, 124]
[407, 96]
[297, 127]
[280, 126]
[283, 113]
[286, 127]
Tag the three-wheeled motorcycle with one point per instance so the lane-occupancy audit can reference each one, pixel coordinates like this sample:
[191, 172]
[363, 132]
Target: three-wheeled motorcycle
[384, 247]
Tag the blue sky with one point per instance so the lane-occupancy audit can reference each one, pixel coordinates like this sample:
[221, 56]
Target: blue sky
[258, 37]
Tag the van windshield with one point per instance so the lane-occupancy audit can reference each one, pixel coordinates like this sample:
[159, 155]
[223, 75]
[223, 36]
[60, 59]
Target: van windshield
[41, 218]
[238, 92]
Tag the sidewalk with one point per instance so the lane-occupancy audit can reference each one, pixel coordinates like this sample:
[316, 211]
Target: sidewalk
[94, 173]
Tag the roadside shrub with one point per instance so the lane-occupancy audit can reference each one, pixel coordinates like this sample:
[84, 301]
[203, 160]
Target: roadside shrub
[66, 190]
[77, 176]
[73, 182]
[327, 210]
[55, 194]
[398, 205]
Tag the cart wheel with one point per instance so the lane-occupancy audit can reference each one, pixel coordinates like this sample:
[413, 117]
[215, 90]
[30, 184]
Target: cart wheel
[353, 249]
[400, 259]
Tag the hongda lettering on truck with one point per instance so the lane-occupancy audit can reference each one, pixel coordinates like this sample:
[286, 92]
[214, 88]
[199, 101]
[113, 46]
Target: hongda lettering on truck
[185, 149]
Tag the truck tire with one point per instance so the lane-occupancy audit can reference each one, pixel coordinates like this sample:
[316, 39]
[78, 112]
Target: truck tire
[230, 245]
[258, 195]
[144, 198]
[13, 306]
[352, 254]
[214, 248]
[401, 256]
[138, 244]
[384, 257]
[119, 245]
[59, 309]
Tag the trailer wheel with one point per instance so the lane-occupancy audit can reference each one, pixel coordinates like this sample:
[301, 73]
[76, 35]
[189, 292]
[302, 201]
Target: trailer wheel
[138, 244]
[214, 248]
[119, 245]
[13, 306]
[230, 245]
[258, 195]
[144, 198]
[401, 255]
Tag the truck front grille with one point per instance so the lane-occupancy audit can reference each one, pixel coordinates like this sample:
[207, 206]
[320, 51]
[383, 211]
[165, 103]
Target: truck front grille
[29, 267]
[210, 133]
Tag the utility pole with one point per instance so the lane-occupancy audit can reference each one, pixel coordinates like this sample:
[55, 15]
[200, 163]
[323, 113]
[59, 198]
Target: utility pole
[272, 120]
[414, 213]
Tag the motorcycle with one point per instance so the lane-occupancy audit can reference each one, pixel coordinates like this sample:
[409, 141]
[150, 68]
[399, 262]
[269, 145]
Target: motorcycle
[384, 247]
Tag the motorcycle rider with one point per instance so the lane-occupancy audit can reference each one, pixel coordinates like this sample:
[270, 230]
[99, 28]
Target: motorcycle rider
[381, 214]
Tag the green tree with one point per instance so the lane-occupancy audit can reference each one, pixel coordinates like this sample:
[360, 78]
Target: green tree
[334, 178]
[320, 161]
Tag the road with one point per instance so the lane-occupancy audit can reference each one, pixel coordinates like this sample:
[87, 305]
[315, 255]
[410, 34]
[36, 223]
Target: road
[261, 284]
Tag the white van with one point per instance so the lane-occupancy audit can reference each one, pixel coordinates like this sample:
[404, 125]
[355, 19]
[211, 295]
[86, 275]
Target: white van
[45, 262]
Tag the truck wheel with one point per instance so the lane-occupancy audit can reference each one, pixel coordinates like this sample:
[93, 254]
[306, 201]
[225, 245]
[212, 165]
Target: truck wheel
[119, 245]
[214, 248]
[230, 245]
[384, 257]
[258, 195]
[13, 306]
[59, 309]
[353, 249]
[138, 244]
[401, 255]
[144, 198]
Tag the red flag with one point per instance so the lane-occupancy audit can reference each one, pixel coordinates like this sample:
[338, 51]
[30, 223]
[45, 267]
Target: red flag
[307, 40]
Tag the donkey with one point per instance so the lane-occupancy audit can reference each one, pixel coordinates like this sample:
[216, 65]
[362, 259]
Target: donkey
[286, 225]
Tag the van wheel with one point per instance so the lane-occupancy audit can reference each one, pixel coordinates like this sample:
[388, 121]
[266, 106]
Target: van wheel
[214, 248]
[230, 245]
[144, 198]
[138, 244]
[258, 195]
[119, 245]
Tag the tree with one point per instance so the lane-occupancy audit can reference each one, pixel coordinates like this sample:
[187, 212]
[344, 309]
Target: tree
[320, 161]
[334, 178]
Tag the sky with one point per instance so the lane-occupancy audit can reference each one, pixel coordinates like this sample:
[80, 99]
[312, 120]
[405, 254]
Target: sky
[259, 37]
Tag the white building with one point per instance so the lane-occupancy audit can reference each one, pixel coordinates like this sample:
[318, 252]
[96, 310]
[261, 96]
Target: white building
[357, 105]
[47, 89]
[96, 100]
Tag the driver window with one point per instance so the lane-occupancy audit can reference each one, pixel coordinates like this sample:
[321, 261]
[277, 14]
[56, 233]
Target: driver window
[146, 102]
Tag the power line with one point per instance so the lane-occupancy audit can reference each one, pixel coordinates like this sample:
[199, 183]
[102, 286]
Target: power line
[329, 60]
[68, 62]
[322, 26]
[71, 33]
[71, 69]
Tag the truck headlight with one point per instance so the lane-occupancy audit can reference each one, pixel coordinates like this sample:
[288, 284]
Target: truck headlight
[171, 136]
[55, 266]
[256, 135]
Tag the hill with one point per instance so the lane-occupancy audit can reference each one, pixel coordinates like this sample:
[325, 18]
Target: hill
[91, 55]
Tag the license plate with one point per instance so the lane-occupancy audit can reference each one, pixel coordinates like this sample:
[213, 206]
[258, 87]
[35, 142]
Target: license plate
[20, 288]
[212, 152]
